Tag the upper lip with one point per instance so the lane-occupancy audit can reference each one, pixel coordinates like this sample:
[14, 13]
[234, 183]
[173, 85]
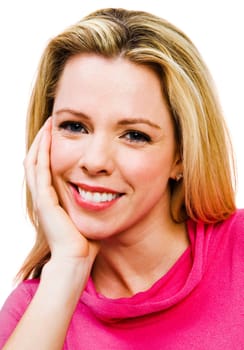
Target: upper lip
[98, 189]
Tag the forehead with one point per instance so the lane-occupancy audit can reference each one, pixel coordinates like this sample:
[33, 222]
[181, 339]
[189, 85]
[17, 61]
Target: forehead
[112, 85]
[96, 67]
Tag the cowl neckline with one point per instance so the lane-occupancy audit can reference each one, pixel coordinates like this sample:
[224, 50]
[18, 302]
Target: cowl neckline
[168, 291]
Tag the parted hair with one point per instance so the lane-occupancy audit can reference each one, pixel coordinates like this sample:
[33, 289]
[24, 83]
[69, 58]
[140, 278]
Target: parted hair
[206, 191]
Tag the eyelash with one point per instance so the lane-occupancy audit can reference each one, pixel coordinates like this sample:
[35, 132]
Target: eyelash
[137, 137]
[73, 127]
[132, 136]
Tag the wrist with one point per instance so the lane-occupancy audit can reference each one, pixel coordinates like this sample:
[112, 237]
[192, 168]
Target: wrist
[65, 279]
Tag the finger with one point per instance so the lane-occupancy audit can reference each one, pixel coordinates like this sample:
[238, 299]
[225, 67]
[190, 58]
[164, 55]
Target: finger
[43, 173]
[33, 151]
[31, 159]
[43, 157]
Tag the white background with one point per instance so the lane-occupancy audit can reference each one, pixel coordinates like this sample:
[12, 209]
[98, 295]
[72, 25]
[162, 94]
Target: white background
[216, 27]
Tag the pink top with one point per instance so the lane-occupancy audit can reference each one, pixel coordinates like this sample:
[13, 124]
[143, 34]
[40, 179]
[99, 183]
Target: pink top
[198, 304]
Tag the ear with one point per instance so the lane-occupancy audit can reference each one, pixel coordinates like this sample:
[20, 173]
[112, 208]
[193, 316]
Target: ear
[177, 168]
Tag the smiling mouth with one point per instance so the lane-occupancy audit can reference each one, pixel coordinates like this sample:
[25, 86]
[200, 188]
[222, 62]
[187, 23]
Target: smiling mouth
[97, 197]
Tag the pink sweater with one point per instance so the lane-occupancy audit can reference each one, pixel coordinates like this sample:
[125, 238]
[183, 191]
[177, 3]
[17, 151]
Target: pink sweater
[197, 305]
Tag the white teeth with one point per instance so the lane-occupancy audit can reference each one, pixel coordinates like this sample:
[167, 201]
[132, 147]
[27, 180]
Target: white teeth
[97, 197]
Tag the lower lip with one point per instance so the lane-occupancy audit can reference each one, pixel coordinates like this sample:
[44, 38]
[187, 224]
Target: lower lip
[92, 205]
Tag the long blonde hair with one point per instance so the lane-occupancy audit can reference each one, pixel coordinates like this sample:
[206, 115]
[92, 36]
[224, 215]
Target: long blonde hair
[206, 192]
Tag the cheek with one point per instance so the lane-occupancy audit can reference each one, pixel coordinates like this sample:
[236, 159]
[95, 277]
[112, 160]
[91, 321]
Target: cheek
[148, 168]
[61, 155]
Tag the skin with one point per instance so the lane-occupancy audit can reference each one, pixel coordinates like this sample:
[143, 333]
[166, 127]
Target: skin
[93, 145]
[104, 153]
[112, 243]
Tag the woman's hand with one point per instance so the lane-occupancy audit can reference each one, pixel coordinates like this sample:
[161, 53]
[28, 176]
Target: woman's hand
[64, 277]
[65, 241]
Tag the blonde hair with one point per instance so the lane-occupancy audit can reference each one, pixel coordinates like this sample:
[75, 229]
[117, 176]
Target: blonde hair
[206, 192]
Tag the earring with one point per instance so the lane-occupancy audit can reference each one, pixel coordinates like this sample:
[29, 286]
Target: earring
[179, 177]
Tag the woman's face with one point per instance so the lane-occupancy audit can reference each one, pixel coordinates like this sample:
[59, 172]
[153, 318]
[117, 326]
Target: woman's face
[113, 147]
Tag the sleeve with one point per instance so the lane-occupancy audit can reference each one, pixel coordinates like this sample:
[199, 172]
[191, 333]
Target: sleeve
[14, 307]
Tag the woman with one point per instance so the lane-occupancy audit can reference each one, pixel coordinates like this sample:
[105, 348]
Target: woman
[129, 188]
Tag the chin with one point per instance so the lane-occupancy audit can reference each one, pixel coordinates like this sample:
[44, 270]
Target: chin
[92, 232]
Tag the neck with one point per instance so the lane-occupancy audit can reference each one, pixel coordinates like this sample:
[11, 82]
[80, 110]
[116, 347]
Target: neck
[129, 263]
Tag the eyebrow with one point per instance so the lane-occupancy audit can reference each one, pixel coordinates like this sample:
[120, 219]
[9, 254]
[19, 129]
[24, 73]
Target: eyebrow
[138, 121]
[127, 121]
[72, 111]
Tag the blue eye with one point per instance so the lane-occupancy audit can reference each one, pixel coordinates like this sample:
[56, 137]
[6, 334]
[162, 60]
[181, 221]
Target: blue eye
[73, 127]
[137, 137]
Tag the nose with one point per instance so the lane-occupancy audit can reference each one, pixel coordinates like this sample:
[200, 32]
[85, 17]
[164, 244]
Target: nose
[97, 156]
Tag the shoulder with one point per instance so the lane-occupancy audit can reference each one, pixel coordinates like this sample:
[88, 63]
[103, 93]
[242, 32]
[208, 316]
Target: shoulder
[231, 231]
[15, 306]
[237, 217]
[234, 224]
[225, 237]
[21, 296]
